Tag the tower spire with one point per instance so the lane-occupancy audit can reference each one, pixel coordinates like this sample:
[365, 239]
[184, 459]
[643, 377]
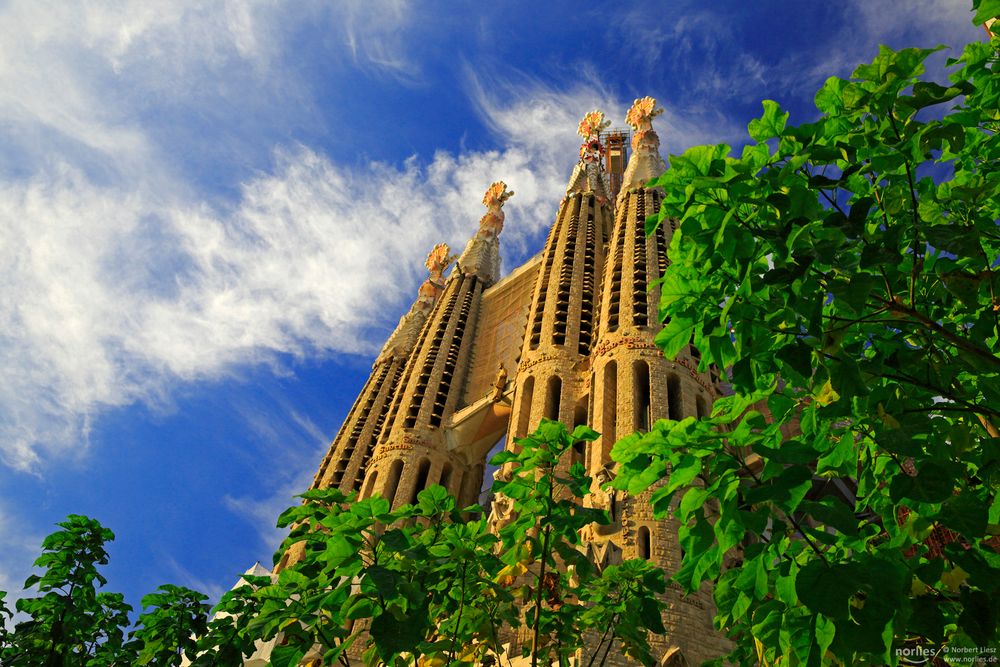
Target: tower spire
[412, 453]
[645, 162]
[347, 459]
[588, 173]
[402, 340]
[481, 257]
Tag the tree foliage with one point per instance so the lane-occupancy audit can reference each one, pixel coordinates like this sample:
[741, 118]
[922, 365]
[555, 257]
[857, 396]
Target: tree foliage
[426, 581]
[844, 497]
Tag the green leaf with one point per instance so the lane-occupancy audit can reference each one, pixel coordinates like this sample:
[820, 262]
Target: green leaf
[786, 490]
[674, 337]
[649, 612]
[965, 514]
[385, 580]
[825, 630]
[684, 470]
[985, 10]
[979, 617]
[770, 125]
[932, 484]
[286, 656]
[394, 635]
[827, 589]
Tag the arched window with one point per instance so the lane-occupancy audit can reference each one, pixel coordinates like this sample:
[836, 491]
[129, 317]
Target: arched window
[553, 398]
[674, 398]
[700, 407]
[527, 389]
[642, 542]
[609, 412]
[446, 477]
[370, 485]
[423, 470]
[395, 472]
[640, 370]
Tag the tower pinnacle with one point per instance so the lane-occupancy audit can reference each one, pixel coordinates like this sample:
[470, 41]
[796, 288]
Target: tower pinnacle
[645, 162]
[587, 175]
[403, 339]
[481, 256]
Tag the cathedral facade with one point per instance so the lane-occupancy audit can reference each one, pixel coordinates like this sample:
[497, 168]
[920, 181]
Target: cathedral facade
[479, 359]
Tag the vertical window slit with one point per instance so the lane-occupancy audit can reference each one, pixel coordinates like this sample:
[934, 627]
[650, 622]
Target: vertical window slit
[643, 542]
[640, 308]
[641, 383]
[610, 406]
[674, 398]
[395, 472]
[553, 398]
[525, 407]
[423, 470]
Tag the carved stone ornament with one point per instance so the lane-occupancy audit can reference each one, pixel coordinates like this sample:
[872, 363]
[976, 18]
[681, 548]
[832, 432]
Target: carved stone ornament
[645, 162]
[499, 384]
[481, 256]
[593, 124]
[404, 337]
[437, 261]
[587, 176]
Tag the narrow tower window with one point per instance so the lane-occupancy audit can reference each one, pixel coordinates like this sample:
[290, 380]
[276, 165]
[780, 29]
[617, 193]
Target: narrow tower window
[640, 310]
[370, 485]
[446, 477]
[395, 471]
[587, 303]
[699, 406]
[543, 282]
[423, 470]
[674, 398]
[617, 260]
[527, 389]
[580, 412]
[643, 542]
[610, 405]
[553, 398]
[580, 419]
[561, 323]
[641, 372]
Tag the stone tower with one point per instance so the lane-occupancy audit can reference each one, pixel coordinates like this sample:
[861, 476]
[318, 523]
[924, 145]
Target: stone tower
[568, 336]
[412, 452]
[346, 462]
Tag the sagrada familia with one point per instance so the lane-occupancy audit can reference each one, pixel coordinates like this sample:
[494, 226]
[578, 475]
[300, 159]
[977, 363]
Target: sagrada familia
[567, 336]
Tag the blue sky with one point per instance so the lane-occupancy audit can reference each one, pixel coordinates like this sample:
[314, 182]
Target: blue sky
[212, 215]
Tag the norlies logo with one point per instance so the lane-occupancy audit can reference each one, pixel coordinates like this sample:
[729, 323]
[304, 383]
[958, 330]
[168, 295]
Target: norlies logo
[914, 655]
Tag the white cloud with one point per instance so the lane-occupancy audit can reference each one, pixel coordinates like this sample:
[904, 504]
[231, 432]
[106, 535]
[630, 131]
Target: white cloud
[121, 278]
[110, 292]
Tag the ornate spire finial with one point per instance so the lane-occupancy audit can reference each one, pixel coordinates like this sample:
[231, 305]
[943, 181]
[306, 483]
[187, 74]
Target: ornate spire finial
[642, 113]
[640, 117]
[496, 195]
[590, 129]
[438, 260]
[587, 176]
[481, 256]
[645, 162]
[593, 124]
[402, 340]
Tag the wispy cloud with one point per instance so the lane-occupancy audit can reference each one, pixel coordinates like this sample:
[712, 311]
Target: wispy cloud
[111, 292]
[185, 577]
[122, 276]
